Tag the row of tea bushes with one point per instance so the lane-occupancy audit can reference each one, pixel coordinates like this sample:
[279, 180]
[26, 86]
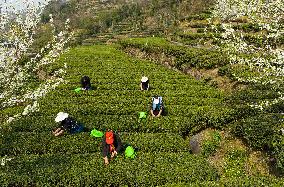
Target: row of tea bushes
[147, 169]
[189, 57]
[32, 143]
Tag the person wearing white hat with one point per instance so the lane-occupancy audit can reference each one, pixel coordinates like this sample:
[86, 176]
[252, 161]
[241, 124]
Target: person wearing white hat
[157, 106]
[66, 124]
[144, 85]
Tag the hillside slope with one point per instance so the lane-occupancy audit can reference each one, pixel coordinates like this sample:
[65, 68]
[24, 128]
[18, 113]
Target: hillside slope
[163, 155]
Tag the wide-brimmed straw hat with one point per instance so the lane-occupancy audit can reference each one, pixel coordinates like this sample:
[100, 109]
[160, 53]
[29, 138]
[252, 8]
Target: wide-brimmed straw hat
[144, 79]
[61, 116]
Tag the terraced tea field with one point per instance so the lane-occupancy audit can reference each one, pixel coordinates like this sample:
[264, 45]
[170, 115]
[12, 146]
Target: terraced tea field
[163, 155]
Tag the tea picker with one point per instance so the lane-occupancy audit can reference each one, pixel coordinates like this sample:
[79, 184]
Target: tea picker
[144, 85]
[85, 84]
[67, 123]
[111, 145]
[157, 106]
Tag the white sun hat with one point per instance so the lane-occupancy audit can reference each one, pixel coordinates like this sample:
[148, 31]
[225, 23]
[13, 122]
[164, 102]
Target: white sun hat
[61, 116]
[144, 79]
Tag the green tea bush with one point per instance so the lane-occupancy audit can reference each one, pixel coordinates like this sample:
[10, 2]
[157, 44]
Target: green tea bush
[247, 27]
[262, 40]
[185, 57]
[235, 164]
[262, 132]
[253, 95]
[210, 145]
[31, 143]
[277, 147]
[257, 131]
[40, 159]
[124, 100]
[88, 169]
[246, 181]
[194, 36]
[224, 70]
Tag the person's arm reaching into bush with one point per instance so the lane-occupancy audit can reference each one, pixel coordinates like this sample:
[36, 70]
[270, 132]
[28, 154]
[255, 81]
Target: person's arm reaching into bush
[106, 160]
[105, 151]
[118, 146]
[160, 112]
[152, 113]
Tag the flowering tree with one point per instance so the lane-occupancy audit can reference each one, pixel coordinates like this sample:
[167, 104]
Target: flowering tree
[17, 31]
[266, 61]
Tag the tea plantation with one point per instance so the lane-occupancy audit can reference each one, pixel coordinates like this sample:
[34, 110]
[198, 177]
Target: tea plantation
[163, 154]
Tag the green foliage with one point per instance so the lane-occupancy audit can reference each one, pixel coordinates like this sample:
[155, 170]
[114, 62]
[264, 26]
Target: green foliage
[201, 16]
[152, 16]
[261, 40]
[10, 112]
[235, 164]
[60, 10]
[87, 169]
[246, 181]
[242, 73]
[185, 57]
[247, 27]
[88, 24]
[212, 142]
[42, 37]
[224, 70]
[262, 132]
[19, 143]
[258, 130]
[277, 145]
[23, 60]
[253, 94]
[199, 38]
[162, 153]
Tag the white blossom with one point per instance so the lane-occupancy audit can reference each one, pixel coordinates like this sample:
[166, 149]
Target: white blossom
[4, 160]
[269, 66]
[18, 37]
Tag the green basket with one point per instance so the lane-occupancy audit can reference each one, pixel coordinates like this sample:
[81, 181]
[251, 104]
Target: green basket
[96, 133]
[142, 115]
[129, 152]
[78, 90]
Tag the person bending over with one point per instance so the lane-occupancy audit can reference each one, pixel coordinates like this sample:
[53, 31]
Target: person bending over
[86, 83]
[111, 145]
[157, 106]
[66, 124]
[144, 85]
